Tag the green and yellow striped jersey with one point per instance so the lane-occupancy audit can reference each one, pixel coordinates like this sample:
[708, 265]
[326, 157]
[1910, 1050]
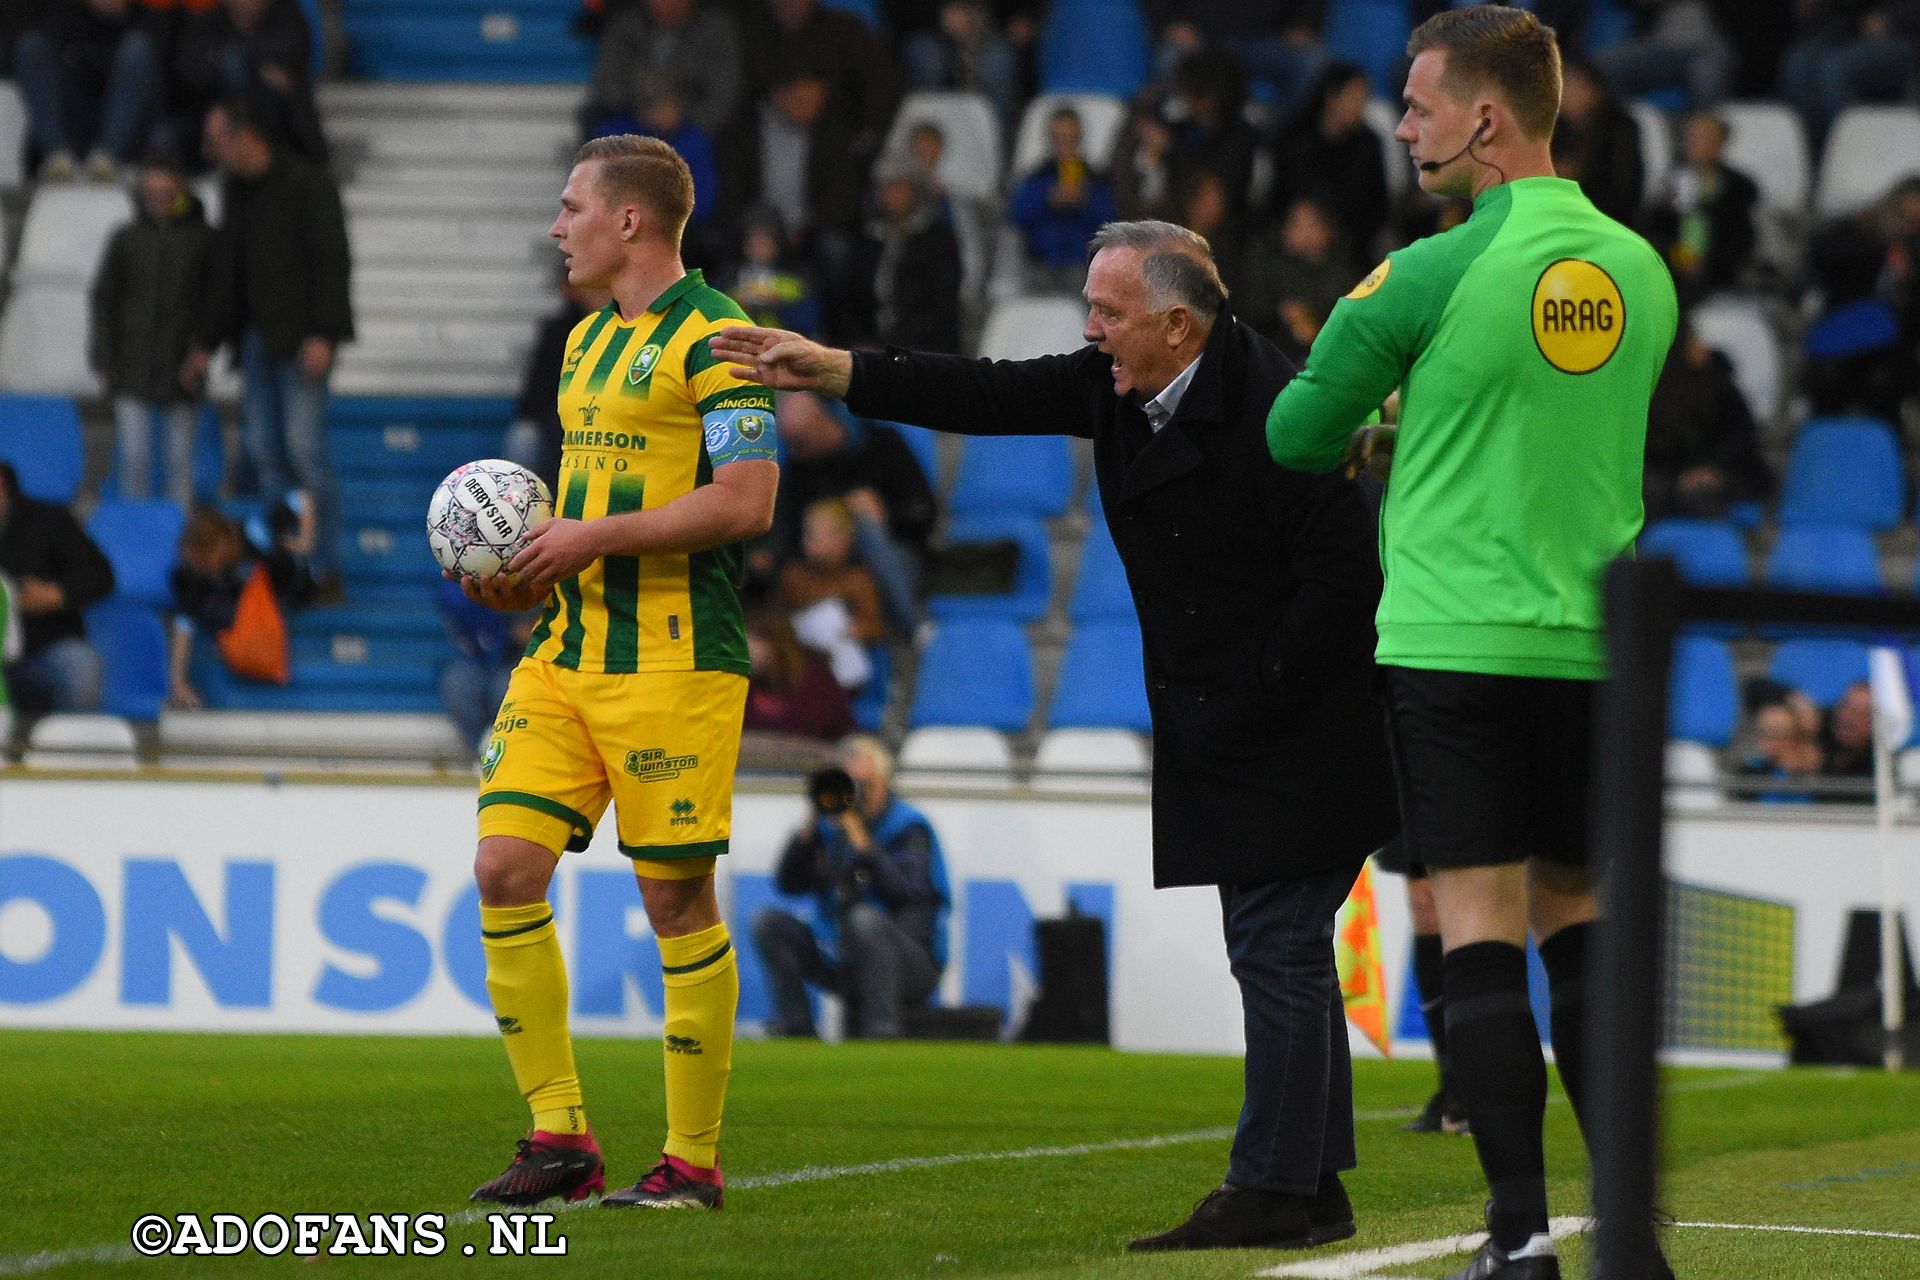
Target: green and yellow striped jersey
[647, 413]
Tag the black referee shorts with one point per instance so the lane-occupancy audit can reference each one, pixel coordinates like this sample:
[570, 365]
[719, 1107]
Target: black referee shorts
[1491, 770]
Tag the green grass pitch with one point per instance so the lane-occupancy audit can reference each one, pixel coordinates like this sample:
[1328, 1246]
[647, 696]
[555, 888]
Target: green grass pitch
[1090, 1148]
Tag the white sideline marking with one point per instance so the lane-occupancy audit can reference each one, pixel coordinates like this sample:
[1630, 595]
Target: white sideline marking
[1800, 1231]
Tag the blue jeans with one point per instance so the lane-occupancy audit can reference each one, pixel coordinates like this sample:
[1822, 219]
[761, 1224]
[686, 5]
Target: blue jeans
[283, 418]
[64, 116]
[883, 970]
[133, 436]
[1296, 1122]
[64, 676]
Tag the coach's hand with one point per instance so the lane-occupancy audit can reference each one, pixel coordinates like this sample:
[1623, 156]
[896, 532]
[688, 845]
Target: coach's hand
[556, 549]
[784, 360]
[502, 591]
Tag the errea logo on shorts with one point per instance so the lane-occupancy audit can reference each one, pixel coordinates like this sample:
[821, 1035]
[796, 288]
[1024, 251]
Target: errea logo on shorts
[655, 765]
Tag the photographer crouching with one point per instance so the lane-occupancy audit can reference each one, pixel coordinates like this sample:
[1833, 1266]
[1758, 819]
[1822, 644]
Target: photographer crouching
[872, 865]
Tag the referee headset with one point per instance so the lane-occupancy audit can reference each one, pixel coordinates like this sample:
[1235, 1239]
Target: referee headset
[1434, 166]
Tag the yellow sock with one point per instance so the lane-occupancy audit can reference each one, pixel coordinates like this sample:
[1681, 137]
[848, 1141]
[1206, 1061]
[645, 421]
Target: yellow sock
[527, 978]
[703, 989]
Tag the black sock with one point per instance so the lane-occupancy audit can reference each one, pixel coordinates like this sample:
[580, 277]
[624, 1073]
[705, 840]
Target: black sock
[1502, 1078]
[1428, 960]
[1565, 956]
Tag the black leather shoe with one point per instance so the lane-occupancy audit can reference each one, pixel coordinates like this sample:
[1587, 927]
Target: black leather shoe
[1495, 1263]
[1329, 1213]
[1230, 1217]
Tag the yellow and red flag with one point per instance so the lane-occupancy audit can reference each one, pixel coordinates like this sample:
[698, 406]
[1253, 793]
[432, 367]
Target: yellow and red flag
[1356, 955]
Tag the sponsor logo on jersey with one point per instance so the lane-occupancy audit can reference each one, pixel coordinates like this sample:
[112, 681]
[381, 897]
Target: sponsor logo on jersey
[574, 357]
[642, 367]
[683, 1044]
[683, 815]
[757, 399]
[588, 412]
[1374, 279]
[603, 440]
[495, 749]
[1578, 316]
[509, 1026]
[655, 765]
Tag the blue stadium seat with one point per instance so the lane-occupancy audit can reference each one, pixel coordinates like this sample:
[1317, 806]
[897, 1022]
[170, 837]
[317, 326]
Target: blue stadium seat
[40, 436]
[1100, 592]
[141, 539]
[132, 644]
[870, 703]
[1704, 701]
[1746, 515]
[977, 672]
[1820, 668]
[1372, 34]
[1101, 682]
[1708, 553]
[867, 11]
[1015, 475]
[1822, 558]
[1844, 471]
[1094, 46]
[522, 41]
[1033, 573]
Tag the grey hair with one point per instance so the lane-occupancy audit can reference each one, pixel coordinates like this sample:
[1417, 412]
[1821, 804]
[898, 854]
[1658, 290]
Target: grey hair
[1178, 267]
[864, 746]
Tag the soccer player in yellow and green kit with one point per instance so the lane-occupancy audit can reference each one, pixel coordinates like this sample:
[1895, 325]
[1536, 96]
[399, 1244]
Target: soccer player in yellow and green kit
[633, 685]
[1525, 344]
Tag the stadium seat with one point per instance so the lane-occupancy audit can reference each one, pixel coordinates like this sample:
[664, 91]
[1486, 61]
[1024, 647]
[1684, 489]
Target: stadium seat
[40, 436]
[970, 161]
[1372, 34]
[1692, 775]
[1101, 685]
[1704, 693]
[1867, 149]
[1032, 578]
[320, 734]
[13, 136]
[1110, 761]
[1709, 553]
[66, 740]
[141, 539]
[132, 644]
[521, 41]
[977, 673]
[870, 702]
[1101, 115]
[1767, 143]
[1820, 668]
[1013, 475]
[1844, 471]
[1656, 145]
[954, 757]
[1823, 558]
[1094, 46]
[1022, 328]
[1100, 591]
[43, 341]
[1738, 329]
[66, 232]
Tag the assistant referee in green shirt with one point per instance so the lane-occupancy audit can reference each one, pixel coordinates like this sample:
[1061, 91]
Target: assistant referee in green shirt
[1525, 344]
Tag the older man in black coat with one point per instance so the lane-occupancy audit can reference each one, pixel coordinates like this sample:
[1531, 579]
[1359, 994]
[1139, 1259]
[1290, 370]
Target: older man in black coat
[1256, 590]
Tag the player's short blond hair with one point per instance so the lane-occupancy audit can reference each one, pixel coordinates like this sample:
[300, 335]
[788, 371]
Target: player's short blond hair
[648, 172]
[1510, 50]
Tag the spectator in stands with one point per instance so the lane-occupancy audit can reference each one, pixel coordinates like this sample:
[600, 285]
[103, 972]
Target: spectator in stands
[1898, 217]
[17, 17]
[533, 440]
[772, 283]
[871, 864]
[695, 45]
[1211, 134]
[912, 258]
[57, 572]
[1296, 278]
[148, 306]
[1597, 144]
[1846, 739]
[281, 298]
[92, 79]
[655, 109]
[1703, 451]
[964, 52]
[829, 596]
[1675, 47]
[1206, 208]
[1278, 42]
[1060, 205]
[1327, 150]
[792, 690]
[1785, 741]
[1142, 160]
[861, 80]
[1703, 220]
[1846, 53]
[831, 454]
[487, 644]
[1859, 357]
[259, 52]
[218, 558]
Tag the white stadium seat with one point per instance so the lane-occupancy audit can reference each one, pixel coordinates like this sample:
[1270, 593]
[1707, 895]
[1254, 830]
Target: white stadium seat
[1112, 761]
[69, 741]
[43, 342]
[1692, 777]
[970, 162]
[13, 135]
[1868, 150]
[1383, 118]
[955, 757]
[1739, 329]
[67, 230]
[1767, 143]
[1101, 115]
[1656, 146]
[341, 735]
[1021, 328]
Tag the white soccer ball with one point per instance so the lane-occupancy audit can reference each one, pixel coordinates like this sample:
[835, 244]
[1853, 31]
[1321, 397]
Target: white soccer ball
[481, 514]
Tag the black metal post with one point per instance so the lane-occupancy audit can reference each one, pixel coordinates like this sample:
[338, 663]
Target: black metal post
[1643, 602]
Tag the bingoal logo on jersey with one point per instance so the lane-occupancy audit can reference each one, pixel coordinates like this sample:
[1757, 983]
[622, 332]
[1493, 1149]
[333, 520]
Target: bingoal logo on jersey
[1578, 316]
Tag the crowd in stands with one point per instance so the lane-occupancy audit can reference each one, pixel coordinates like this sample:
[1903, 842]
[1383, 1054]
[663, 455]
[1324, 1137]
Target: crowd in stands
[819, 212]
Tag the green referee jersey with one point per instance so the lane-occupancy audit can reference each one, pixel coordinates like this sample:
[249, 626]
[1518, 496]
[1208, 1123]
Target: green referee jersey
[1525, 343]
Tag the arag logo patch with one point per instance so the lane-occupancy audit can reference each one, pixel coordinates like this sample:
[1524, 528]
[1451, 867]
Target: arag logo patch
[1578, 316]
[642, 367]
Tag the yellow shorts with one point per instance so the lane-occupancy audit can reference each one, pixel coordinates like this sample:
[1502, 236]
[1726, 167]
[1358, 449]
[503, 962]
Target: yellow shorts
[661, 746]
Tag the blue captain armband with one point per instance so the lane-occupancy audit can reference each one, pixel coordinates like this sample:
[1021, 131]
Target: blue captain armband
[740, 434]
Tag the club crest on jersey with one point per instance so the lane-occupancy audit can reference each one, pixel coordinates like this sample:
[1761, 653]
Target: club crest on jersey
[495, 749]
[642, 367]
[751, 426]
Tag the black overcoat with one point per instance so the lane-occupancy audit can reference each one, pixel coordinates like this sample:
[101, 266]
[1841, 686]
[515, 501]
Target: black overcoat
[1255, 587]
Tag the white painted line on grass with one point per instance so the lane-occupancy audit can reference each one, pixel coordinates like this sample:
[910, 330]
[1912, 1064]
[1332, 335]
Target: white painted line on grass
[1799, 1231]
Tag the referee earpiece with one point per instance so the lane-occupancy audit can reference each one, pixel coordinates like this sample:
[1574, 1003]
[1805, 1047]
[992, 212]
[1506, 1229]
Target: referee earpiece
[1429, 166]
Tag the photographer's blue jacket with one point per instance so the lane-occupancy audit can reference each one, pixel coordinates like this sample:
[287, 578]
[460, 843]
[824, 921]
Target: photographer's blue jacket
[909, 878]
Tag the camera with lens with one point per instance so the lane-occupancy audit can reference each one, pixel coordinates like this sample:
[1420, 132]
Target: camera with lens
[832, 791]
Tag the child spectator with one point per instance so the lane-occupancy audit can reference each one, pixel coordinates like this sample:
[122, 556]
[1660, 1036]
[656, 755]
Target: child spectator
[830, 595]
[792, 690]
[1061, 204]
[149, 303]
[220, 562]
